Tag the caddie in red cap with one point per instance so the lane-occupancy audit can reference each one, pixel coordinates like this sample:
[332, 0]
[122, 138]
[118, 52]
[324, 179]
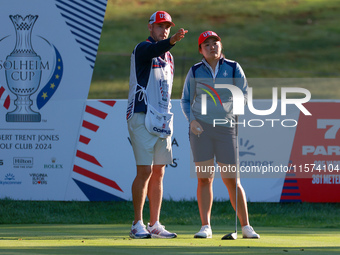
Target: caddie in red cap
[161, 16]
[150, 121]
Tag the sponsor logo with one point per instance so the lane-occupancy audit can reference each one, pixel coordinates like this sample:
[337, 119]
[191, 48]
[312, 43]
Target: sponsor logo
[158, 130]
[39, 178]
[22, 162]
[9, 177]
[53, 165]
[10, 180]
[246, 148]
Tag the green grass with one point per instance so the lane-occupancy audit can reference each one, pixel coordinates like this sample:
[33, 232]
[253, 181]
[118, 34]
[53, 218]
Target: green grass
[113, 239]
[174, 213]
[50, 227]
[269, 38]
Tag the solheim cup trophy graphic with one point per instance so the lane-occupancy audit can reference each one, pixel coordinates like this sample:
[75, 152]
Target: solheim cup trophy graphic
[24, 73]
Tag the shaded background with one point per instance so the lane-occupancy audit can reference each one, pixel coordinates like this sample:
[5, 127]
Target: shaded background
[269, 38]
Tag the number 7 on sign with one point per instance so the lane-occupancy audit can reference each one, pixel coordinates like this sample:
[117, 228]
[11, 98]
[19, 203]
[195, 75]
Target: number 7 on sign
[331, 132]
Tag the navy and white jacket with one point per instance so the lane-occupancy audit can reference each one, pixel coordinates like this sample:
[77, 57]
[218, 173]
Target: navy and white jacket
[201, 79]
[148, 58]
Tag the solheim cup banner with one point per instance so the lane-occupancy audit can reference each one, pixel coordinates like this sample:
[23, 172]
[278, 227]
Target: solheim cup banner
[47, 54]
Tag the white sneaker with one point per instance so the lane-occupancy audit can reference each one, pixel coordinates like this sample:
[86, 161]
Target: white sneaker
[205, 232]
[159, 231]
[138, 231]
[248, 232]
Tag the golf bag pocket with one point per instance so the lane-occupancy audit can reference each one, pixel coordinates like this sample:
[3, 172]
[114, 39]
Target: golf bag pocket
[159, 124]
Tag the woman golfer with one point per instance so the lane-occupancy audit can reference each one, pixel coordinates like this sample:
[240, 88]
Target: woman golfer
[202, 103]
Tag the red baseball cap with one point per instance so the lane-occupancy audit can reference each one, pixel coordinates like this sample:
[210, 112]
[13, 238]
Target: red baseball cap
[205, 35]
[161, 16]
